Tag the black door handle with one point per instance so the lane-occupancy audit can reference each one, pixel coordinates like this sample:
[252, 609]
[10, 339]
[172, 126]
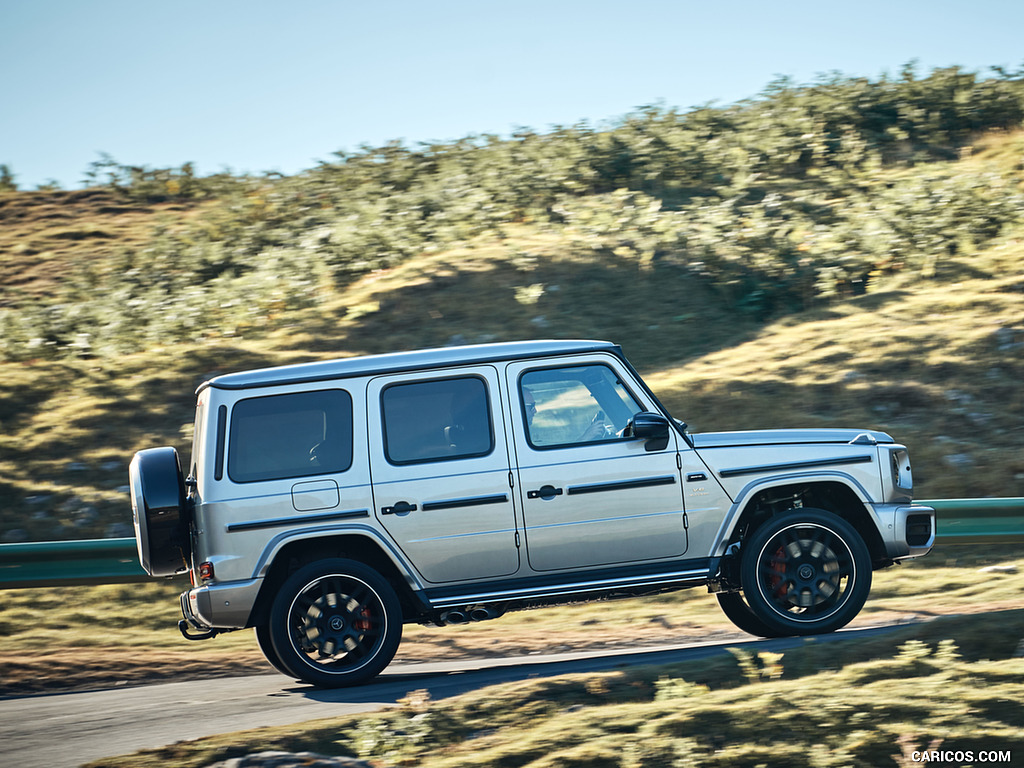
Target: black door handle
[399, 508]
[546, 492]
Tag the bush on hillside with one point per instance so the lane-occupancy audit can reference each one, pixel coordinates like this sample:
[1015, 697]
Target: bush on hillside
[777, 203]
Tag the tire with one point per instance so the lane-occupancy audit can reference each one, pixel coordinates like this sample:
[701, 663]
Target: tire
[335, 623]
[736, 609]
[267, 647]
[806, 572]
[160, 511]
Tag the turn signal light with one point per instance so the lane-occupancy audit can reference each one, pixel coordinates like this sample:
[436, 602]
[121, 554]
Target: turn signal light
[206, 571]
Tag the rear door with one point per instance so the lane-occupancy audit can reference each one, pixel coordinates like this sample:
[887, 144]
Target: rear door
[441, 474]
[590, 496]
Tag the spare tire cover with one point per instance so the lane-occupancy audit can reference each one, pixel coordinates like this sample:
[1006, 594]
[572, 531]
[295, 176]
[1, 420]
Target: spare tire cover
[160, 511]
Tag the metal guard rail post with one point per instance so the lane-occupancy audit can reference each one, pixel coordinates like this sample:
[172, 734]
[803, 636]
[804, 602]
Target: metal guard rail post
[114, 561]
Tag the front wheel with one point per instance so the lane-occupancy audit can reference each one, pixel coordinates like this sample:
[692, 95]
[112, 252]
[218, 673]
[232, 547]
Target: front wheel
[335, 623]
[805, 572]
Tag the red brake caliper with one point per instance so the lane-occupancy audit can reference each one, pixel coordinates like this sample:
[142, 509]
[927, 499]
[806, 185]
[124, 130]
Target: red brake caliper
[363, 624]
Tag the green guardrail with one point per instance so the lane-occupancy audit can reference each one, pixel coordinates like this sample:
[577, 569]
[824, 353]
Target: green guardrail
[114, 561]
[978, 521]
[67, 563]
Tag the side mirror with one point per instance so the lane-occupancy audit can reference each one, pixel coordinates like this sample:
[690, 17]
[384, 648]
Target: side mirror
[652, 427]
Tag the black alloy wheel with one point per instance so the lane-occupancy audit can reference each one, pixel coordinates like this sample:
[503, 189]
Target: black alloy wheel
[805, 572]
[335, 623]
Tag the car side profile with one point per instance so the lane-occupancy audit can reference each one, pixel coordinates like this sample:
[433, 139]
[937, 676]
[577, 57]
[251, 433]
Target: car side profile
[328, 504]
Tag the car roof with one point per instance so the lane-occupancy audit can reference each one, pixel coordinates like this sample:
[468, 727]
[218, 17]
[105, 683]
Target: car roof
[396, 362]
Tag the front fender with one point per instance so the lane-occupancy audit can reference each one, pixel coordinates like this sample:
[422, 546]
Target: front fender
[735, 516]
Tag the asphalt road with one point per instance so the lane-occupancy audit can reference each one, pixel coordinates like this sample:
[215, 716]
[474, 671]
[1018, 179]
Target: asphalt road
[67, 730]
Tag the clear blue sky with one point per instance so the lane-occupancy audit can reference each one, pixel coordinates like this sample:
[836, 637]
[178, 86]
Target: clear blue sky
[260, 86]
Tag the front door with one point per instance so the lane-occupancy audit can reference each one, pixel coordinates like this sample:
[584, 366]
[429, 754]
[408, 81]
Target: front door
[440, 467]
[590, 496]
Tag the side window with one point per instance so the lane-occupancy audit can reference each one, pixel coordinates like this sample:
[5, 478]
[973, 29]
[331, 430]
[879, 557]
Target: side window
[575, 405]
[436, 420]
[284, 436]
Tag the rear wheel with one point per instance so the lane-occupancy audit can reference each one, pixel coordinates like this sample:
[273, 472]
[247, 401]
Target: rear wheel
[335, 623]
[805, 572]
[267, 646]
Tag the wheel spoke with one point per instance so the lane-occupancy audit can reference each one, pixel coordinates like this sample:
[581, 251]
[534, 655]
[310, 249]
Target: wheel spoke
[333, 592]
[804, 599]
[794, 548]
[826, 589]
[357, 600]
[307, 605]
[819, 550]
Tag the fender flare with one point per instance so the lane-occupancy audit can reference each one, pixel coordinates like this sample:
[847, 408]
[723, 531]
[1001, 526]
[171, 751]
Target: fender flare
[277, 543]
[734, 515]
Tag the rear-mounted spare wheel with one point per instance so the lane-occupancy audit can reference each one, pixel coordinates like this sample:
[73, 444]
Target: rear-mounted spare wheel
[160, 511]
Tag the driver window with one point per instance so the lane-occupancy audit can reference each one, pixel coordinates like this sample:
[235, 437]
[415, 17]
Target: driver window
[576, 405]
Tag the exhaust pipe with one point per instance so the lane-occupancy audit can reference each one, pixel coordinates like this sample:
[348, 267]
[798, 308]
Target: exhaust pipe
[482, 613]
[469, 613]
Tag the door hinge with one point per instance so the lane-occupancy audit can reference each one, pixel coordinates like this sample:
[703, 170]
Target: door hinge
[679, 461]
[511, 479]
[686, 522]
[517, 539]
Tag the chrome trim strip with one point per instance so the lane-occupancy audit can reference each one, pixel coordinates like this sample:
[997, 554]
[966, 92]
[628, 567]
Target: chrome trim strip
[699, 575]
[568, 523]
[464, 535]
[275, 522]
[809, 464]
[620, 485]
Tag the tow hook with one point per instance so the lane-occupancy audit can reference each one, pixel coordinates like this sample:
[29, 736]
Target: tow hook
[184, 626]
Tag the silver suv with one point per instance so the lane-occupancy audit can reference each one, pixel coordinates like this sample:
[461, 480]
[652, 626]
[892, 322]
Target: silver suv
[327, 504]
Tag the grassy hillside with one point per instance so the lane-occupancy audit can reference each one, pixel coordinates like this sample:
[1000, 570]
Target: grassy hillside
[842, 253]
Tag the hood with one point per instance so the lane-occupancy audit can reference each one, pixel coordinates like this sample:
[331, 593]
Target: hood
[788, 437]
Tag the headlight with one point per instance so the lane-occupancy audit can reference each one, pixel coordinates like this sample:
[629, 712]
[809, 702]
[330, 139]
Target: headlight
[900, 465]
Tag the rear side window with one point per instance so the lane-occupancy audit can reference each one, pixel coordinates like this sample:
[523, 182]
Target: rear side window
[284, 436]
[436, 420]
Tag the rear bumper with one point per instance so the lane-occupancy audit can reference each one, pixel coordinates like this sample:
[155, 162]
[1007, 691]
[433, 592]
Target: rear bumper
[220, 606]
[908, 530]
